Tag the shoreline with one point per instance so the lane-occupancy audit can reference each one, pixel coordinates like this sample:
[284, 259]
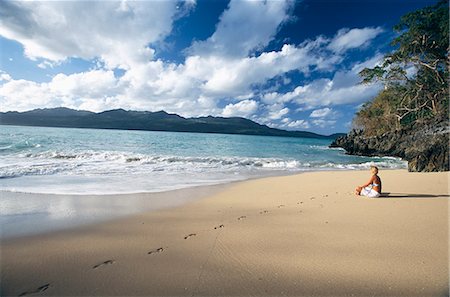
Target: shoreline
[117, 206]
[295, 235]
[172, 198]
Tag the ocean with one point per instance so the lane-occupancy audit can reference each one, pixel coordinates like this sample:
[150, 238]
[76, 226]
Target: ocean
[58, 178]
[98, 161]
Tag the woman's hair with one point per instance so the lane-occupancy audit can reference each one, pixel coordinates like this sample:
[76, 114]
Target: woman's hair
[374, 168]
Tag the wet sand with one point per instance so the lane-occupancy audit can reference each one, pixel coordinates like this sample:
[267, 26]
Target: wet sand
[25, 214]
[301, 235]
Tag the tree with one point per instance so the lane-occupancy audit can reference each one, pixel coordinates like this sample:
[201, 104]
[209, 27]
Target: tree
[416, 74]
[379, 115]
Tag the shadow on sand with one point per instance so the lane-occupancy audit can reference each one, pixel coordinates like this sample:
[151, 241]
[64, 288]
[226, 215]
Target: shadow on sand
[404, 195]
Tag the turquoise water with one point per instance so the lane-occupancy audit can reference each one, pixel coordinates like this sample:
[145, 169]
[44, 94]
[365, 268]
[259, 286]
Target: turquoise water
[95, 161]
[73, 162]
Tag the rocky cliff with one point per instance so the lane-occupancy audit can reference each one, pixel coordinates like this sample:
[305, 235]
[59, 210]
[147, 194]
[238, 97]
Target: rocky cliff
[425, 148]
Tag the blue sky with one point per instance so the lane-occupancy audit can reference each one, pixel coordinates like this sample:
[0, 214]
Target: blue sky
[287, 64]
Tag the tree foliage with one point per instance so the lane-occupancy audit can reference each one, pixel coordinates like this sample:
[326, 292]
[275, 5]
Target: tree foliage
[415, 74]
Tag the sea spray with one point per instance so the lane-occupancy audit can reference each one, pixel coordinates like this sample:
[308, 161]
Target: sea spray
[90, 161]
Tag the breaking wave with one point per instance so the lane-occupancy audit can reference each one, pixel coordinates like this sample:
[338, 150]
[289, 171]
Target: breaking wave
[112, 162]
[59, 160]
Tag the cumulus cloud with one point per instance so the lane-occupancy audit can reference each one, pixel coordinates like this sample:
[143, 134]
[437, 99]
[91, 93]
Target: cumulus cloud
[85, 90]
[92, 84]
[241, 109]
[277, 111]
[116, 31]
[24, 95]
[325, 92]
[245, 26]
[190, 88]
[4, 77]
[347, 39]
[343, 88]
[321, 113]
[225, 77]
[324, 123]
[298, 124]
[229, 65]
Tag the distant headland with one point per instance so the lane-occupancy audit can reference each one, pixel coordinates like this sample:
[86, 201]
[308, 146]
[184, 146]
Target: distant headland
[145, 120]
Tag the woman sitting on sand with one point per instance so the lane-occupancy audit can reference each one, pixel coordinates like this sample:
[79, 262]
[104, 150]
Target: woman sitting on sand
[373, 188]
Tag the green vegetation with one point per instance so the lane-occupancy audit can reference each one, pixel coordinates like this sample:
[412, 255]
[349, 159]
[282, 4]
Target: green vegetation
[415, 75]
[144, 120]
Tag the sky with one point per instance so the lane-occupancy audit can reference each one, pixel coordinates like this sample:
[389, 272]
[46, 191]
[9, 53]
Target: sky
[287, 64]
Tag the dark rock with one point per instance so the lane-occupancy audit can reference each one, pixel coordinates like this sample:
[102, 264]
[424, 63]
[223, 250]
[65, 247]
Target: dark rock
[426, 148]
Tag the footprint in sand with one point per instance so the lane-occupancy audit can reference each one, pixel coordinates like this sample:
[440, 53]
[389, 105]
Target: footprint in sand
[218, 227]
[312, 198]
[38, 290]
[280, 206]
[107, 262]
[190, 235]
[301, 202]
[158, 250]
[263, 212]
[241, 218]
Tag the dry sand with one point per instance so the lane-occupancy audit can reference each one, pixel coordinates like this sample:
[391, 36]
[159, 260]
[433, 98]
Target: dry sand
[302, 235]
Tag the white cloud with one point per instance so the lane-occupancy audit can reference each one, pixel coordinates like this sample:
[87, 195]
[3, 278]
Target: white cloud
[195, 87]
[321, 113]
[277, 112]
[4, 77]
[117, 32]
[93, 90]
[244, 26]
[298, 124]
[236, 76]
[324, 123]
[241, 109]
[225, 66]
[46, 64]
[177, 87]
[92, 84]
[347, 39]
[343, 88]
[23, 95]
[325, 92]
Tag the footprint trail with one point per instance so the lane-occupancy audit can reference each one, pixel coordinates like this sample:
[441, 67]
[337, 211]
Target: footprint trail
[158, 250]
[107, 262]
[38, 290]
[190, 235]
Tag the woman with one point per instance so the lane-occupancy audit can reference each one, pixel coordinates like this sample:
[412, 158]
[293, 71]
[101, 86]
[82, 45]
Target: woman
[373, 188]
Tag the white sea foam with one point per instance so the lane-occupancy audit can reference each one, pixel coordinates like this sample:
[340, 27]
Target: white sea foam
[71, 161]
[383, 164]
[108, 172]
[113, 163]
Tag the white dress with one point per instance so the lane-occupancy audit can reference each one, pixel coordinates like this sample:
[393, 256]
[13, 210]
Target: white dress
[370, 192]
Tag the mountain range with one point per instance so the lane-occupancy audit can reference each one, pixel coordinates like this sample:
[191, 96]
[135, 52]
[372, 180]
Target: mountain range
[144, 120]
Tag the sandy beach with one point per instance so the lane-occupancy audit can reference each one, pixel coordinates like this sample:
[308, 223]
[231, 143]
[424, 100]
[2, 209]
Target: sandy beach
[300, 235]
